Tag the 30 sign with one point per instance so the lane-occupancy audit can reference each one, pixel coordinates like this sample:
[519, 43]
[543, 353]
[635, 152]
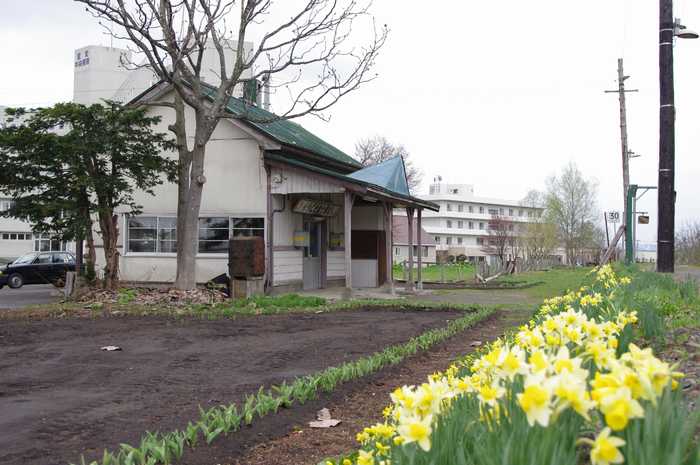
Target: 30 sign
[614, 217]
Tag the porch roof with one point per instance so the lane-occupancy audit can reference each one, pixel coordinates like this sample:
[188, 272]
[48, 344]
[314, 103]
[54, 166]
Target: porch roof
[359, 186]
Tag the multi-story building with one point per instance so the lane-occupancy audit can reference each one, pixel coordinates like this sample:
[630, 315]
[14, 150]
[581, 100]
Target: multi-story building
[462, 226]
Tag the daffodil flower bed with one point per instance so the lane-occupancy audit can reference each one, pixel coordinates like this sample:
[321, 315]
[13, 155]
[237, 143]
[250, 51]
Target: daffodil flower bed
[567, 388]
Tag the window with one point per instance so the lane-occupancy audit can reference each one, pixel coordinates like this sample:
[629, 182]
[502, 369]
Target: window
[493, 211]
[46, 243]
[471, 209]
[449, 223]
[152, 234]
[449, 207]
[397, 251]
[471, 225]
[520, 213]
[437, 239]
[481, 209]
[529, 214]
[480, 240]
[247, 227]
[6, 204]
[510, 227]
[460, 208]
[460, 224]
[43, 258]
[213, 235]
[459, 240]
[8, 236]
[425, 250]
[510, 212]
[481, 225]
[501, 211]
[448, 240]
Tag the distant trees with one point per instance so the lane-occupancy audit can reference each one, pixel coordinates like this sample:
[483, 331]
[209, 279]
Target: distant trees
[570, 204]
[539, 239]
[688, 244]
[66, 164]
[373, 150]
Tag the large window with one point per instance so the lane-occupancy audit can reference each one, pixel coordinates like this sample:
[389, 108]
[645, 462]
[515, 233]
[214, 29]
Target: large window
[449, 223]
[213, 234]
[460, 224]
[158, 234]
[46, 243]
[152, 234]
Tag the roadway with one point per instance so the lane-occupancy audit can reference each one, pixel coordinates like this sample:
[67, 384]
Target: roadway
[28, 295]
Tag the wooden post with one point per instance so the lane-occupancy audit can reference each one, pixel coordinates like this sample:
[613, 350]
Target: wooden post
[409, 218]
[420, 250]
[389, 233]
[348, 242]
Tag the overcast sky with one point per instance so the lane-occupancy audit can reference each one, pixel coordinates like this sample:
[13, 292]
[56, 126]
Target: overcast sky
[499, 94]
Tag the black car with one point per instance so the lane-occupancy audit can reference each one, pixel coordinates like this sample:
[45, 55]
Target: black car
[38, 268]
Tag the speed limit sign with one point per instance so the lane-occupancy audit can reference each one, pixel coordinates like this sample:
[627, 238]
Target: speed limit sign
[614, 217]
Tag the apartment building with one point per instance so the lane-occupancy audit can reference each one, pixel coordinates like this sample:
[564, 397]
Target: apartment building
[461, 227]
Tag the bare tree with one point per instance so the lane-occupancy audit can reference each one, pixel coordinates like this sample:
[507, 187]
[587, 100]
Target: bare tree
[571, 206]
[502, 237]
[309, 53]
[539, 236]
[688, 244]
[377, 149]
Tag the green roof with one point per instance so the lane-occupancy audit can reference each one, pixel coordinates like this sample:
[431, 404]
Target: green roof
[287, 132]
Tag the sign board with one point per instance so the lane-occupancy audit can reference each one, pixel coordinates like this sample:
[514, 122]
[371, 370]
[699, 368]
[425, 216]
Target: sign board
[613, 217]
[301, 239]
[643, 219]
[316, 207]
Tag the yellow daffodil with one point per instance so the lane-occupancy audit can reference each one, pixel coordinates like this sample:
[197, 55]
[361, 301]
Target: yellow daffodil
[605, 449]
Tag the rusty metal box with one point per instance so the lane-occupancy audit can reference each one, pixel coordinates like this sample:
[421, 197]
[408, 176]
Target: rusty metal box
[246, 257]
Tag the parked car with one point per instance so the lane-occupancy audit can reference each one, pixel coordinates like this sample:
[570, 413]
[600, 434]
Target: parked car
[38, 268]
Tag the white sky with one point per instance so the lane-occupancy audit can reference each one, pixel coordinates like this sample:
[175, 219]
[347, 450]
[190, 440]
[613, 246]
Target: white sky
[499, 94]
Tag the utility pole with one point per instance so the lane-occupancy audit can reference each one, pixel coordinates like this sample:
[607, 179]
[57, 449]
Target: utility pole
[667, 116]
[626, 152]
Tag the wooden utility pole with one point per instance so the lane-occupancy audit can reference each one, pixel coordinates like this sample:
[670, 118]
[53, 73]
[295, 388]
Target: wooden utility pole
[623, 133]
[667, 116]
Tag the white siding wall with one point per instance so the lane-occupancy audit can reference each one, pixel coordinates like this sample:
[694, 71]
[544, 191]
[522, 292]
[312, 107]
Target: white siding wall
[336, 263]
[292, 182]
[287, 266]
[235, 186]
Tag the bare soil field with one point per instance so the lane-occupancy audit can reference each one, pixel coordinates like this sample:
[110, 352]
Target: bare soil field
[62, 396]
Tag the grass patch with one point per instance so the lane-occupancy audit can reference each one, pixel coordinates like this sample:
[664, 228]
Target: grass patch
[165, 448]
[452, 272]
[549, 283]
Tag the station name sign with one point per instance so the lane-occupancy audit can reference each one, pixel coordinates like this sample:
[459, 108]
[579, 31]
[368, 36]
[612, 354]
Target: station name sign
[316, 207]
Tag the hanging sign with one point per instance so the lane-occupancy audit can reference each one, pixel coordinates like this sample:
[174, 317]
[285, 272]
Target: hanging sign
[316, 207]
[643, 219]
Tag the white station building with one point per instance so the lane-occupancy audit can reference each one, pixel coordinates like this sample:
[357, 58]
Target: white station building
[325, 219]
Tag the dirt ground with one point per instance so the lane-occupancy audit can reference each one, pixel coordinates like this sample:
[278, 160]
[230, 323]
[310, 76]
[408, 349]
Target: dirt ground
[361, 405]
[61, 396]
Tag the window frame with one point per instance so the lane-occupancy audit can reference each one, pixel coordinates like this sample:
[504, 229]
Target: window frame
[219, 255]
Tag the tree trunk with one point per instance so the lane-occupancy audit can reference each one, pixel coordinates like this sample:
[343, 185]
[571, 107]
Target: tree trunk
[190, 185]
[110, 234]
[91, 255]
